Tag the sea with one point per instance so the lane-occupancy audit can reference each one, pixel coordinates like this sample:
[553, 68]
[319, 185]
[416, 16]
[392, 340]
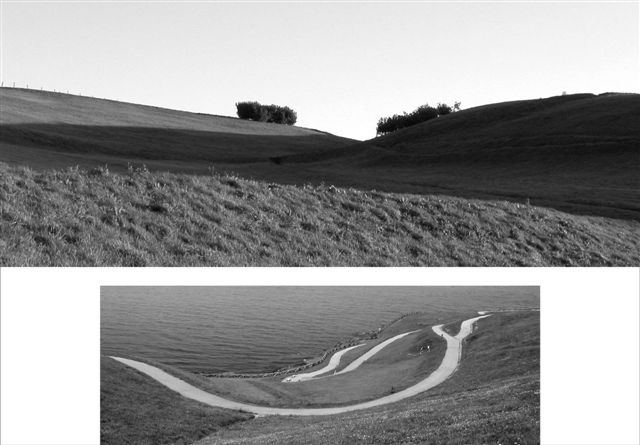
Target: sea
[264, 328]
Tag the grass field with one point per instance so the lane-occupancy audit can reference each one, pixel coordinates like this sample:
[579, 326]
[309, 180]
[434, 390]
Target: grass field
[136, 410]
[576, 153]
[98, 218]
[493, 398]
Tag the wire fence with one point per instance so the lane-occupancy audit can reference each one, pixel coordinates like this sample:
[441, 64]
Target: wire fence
[5, 84]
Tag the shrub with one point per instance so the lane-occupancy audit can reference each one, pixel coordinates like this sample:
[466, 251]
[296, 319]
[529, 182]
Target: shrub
[266, 113]
[444, 109]
[248, 110]
[421, 114]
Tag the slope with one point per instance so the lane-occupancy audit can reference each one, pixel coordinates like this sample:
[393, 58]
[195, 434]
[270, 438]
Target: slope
[578, 153]
[100, 218]
[494, 397]
[43, 129]
[138, 411]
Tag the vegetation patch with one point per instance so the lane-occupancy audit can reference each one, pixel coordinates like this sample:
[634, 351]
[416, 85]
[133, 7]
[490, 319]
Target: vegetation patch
[266, 113]
[421, 114]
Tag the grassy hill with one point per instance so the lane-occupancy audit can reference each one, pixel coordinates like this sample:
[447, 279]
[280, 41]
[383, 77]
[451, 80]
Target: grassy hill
[100, 218]
[43, 130]
[135, 410]
[578, 153]
[508, 162]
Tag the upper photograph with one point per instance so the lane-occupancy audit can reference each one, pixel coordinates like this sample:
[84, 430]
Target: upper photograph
[319, 134]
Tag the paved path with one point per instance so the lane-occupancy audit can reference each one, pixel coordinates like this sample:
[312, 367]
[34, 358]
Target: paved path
[333, 364]
[449, 364]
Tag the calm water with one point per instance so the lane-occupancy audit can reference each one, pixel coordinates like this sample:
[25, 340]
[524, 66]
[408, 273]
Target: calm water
[257, 329]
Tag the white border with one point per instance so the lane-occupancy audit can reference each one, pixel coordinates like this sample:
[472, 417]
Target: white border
[50, 342]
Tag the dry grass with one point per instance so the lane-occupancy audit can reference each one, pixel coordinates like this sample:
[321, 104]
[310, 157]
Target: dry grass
[98, 218]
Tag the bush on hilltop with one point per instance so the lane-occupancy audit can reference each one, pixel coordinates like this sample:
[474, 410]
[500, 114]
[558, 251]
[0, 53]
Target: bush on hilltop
[249, 110]
[421, 114]
[266, 113]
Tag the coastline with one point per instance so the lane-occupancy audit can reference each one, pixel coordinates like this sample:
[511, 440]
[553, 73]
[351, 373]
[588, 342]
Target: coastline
[327, 353]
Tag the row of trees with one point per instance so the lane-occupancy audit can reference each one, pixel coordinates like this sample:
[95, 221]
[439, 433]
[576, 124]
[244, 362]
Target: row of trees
[266, 113]
[421, 114]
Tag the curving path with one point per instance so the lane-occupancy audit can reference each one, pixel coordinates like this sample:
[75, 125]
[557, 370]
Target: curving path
[352, 366]
[373, 351]
[333, 364]
[448, 366]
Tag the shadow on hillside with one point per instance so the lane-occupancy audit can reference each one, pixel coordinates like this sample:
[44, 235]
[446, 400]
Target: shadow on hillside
[161, 143]
[596, 177]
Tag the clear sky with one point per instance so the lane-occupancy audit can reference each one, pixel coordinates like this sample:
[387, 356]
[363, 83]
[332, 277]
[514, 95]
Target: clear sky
[341, 66]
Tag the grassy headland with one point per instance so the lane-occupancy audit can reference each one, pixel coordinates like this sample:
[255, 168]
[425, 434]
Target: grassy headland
[98, 218]
[493, 398]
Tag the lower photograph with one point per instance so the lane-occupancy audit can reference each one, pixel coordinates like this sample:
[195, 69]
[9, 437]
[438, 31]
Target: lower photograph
[319, 365]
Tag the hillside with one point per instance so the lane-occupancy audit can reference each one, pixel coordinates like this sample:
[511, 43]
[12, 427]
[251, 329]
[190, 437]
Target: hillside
[100, 218]
[138, 411]
[493, 397]
[575, 153]
[578, 153]
[43, 130]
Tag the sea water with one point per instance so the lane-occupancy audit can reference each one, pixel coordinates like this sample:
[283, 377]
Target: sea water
[260, 329]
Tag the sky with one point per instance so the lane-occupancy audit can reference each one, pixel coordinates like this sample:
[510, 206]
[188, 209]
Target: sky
[340, 65]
